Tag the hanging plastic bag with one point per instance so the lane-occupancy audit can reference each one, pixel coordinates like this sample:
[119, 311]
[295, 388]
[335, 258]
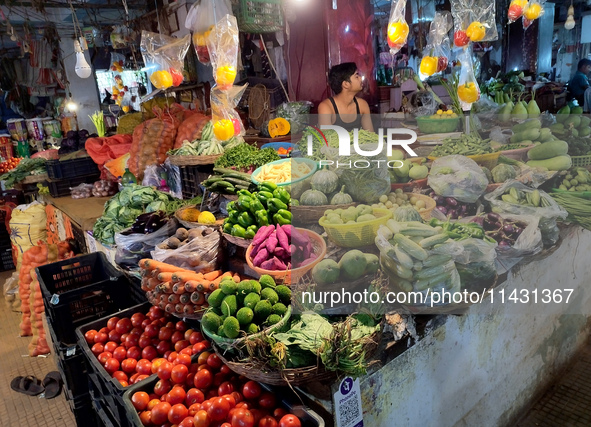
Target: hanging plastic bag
[201, 19]
[436, 54]
[198, 251]
[548, 212]
[516, 10]
[223, 45]
[468, 89]
[474, 21]
[227, 123]
[532, 11]
[164, 57]
[397, 26]
[459, 177]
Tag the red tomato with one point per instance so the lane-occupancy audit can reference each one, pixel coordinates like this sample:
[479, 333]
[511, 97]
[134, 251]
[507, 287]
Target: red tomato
[251, 390]
[153, 402]
[268, 421]
[180, 326]
[160, 413]
[225, 388]
[137, 319]
[279, 413]
[134, 353]
[183, 359]
[164, 370]
[101, 337]
[151, 331]
[179, 374]
[170, 325]
[187, 334]
[97, 349]
[201, 419]
[242, 418]
[144, 341]
[258, 414]
[104, 356]
[237, 397]
[112, 322]
[133, 378]
[155, 313]
[146, 418]
[176, 336]
[230, 400]
[194, 408]
[164, 334]
[140, 400]
[111, 365]
[177, 413]
[194, 395]
[145, 322]
[120, 375]
[124, 325]
[290, 420]
[149, 353]
[129, 365]
[172, 356]
[144, 367]
[176, 395]
[141, 378]
[156, 364]
[267, 400]
[225, 370]
[120, 354]
[187, 350]
[132, 340]
[195, 337]
[162, 387]
[203, 378]
[111, 346]
[163, 347]
[89, 336]
[114, 336]
[214, 361]
[226, 425]
[180, 345]
[199, 347]
[190, 380]
[219, 409]
[187, 422]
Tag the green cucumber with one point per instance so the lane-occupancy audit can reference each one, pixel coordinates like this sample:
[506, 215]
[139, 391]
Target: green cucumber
[421, 285]
[403, 258]
[433, 240]
[410, 247]
[435, 271]
[420, 232]
[435, 260]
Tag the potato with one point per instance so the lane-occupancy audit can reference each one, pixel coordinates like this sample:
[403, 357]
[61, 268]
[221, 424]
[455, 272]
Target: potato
[174, 243]
[194, 260]
[195, 233]
[181, 234]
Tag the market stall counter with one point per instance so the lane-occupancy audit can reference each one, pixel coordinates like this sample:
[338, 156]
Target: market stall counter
[84, 212]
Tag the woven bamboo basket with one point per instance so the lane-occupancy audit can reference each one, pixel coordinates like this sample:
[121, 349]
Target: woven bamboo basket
[238, 241]
[189, 224]
[193, 160]
[311, 214]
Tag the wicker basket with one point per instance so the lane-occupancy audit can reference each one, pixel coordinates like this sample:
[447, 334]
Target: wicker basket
[285, 377]
[311, 214]
[189, 224]
[238, 241]
[407, 187]
[193, 160]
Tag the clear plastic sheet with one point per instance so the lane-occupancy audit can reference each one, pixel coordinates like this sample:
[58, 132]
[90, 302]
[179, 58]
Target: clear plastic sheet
[459, 177]
[226, 120]
[164, 58]
[223, 45]
[200, 253]
[474, 19]
[82, 191]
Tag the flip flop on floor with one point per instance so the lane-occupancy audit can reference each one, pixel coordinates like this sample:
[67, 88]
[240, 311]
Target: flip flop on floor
[53, 384]
[28, 385]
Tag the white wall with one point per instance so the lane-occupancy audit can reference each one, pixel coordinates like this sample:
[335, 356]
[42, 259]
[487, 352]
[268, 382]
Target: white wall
[84, 91]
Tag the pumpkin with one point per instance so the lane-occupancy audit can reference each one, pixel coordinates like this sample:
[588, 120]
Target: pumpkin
[278, 127]
[313, 198]
[341, 198]
[406, 213]
[325, 180]
[298, 188]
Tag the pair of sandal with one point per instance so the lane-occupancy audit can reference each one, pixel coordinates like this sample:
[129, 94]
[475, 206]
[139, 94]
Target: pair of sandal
[32, 386]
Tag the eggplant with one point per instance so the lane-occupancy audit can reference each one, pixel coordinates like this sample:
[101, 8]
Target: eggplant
[504, 244]
[494, 217]
[478, 220]
[450, 201]
[508, 228]
[155, 223]
[442, 209]
[440, 200]
[453, 214]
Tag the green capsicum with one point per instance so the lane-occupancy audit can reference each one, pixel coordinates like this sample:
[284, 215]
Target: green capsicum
[280, 220]
[256, 205]
[285, 213]
[267, 186]
[231, 207]
[261, 218]
[244, 193]
[275, 204]
[249, 234]
[245, 219]
[253, 227]
[227, 227]
[243, 203]
[238, 231]
[282, 195]
[264, 197]
[233, 217]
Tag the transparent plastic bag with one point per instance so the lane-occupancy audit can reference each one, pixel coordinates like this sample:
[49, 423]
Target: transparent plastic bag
[397, 26]
[223, 46]
[547, 215]
[474, 21]
[164, 58]
[117, 62]
[226, 120]
[476, 264]
[436, 54]
[532, 11]
[132, 248]
[200, 252]
[104, 188]
[515, 10]
[82, 191]
[10, 290]
[296, 113]
[468, 89]
[459, 177]
[201, 19]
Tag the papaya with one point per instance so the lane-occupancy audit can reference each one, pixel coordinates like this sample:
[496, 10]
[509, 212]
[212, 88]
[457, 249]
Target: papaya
[531, 134]
[558, 163]
[572, 120]
[528, 124]
[563, 114]
[548, 150]
[585, 121]
[585, 131]
[353, 265]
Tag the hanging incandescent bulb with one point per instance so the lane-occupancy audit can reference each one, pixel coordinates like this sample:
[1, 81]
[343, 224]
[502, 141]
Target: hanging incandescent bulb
[82, 68]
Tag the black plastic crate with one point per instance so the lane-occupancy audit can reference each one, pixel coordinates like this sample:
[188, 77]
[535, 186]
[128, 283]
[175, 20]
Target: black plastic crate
[61, 187]
[81, 407]
[57, 169]
[101, 405]
[135, 285]
[13, 196]
[80, 237]
[286, 398]
[79, 290]
[192, 177]
[6, 261]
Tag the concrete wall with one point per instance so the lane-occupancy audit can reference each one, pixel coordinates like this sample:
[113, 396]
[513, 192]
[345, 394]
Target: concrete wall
[481, 368]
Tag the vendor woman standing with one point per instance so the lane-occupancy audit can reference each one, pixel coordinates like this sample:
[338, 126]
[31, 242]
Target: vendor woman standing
[344, 108]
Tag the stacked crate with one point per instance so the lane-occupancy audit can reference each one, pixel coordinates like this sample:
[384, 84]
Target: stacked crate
[64, 175]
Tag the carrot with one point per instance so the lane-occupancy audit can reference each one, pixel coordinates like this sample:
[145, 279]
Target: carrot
[169, 308]
[191, 285]
[152, 283]
[174, 298]
[213, 286]
[236, 278]
[212, 275]
[185, 298]
[162, 267]
[162, 305]
[183, 276]
[227, 274]
[178, 288]
[165, 276]
[203, 285]
[179, 308]
[197, 298]
[188, 309]
[165, 287]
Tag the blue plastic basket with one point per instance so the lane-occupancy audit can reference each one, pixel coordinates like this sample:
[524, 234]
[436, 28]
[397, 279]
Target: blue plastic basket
[277, 145]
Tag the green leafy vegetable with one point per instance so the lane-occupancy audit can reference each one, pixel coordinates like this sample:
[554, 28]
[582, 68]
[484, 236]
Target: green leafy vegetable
[25, 168]
[245, 157]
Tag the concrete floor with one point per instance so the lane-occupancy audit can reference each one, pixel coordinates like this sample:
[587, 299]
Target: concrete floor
[17, 409]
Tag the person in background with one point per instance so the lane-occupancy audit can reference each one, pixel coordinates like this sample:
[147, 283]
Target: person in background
[344, 108]
[579, 84]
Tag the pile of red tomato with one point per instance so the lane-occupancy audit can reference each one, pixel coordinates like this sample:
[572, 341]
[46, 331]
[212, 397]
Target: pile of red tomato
[9, 164]
[128, 347]
[207, 394]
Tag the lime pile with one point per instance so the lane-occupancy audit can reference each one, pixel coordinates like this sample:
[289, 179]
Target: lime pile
[397, 199]
[247, 307]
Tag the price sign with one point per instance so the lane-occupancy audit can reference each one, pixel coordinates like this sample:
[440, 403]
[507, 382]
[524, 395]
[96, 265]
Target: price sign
[347, 404]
